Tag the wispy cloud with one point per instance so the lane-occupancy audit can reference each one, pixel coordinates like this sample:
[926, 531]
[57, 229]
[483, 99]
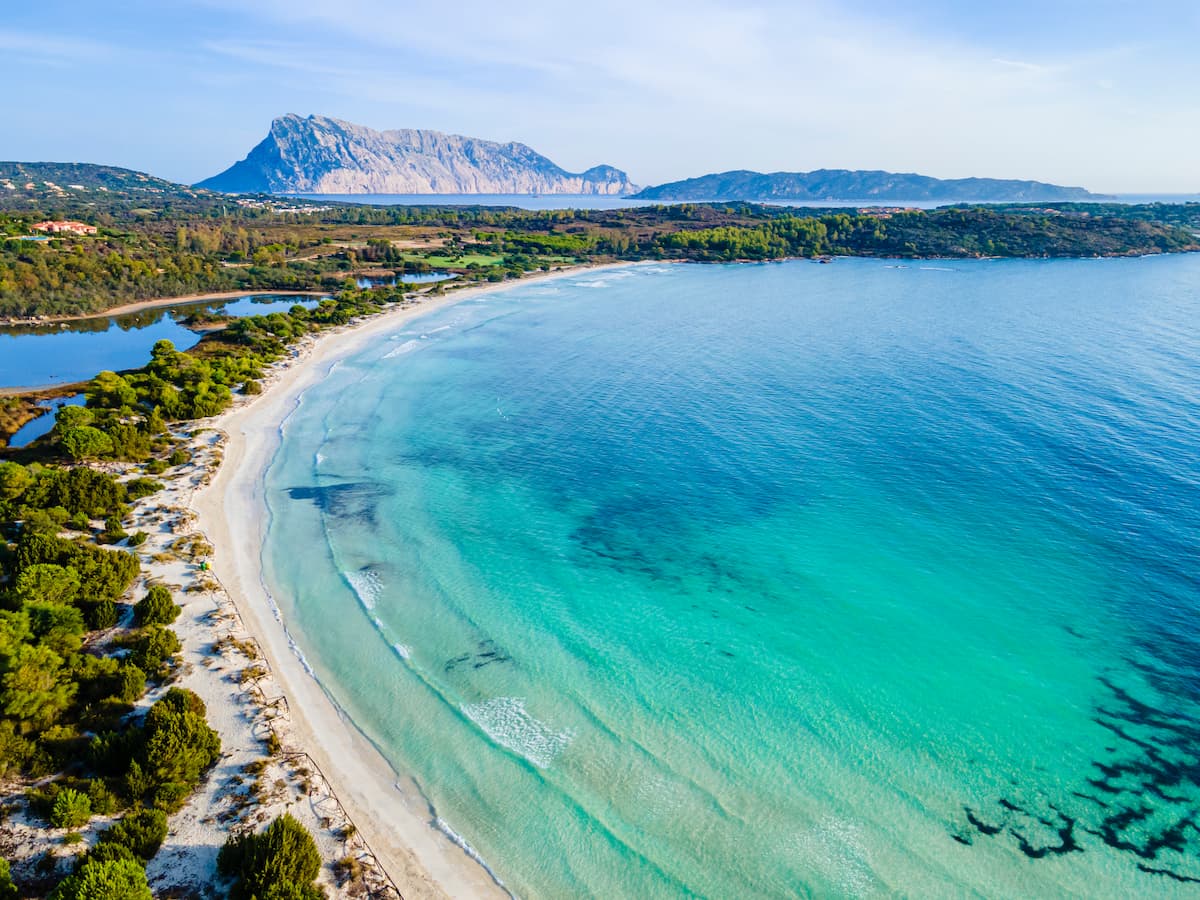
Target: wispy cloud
[674, 88]
[53, 49]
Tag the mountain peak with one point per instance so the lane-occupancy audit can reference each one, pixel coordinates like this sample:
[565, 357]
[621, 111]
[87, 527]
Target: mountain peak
[323, 155]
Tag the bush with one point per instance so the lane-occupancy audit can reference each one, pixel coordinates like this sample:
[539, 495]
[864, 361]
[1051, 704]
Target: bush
[156, 608]
[71, 809]
[138, 488]
[153, 649]
[251, 387]
[282, 861]
[138, 539]
[101, 616]
[170, 796]
[113, 532]
[156, 466]
[107, 852]
[131, 683]
[104, 802]
[118, 879]
[141, 832]
[86, 442]
[180, 745]
[179, 457]
[8, 890]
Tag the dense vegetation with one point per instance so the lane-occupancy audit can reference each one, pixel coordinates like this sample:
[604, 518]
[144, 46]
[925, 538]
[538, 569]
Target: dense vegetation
[281, 863]
[196, 241]
[77, 655]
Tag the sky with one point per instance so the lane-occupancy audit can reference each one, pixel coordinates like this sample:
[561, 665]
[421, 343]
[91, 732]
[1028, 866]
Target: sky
[1104, 93]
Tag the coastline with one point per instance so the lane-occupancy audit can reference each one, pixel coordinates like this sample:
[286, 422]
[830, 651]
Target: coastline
[386, 807]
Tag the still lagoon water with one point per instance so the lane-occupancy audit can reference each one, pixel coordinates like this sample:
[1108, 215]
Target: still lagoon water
[45, 355]
[785, 580]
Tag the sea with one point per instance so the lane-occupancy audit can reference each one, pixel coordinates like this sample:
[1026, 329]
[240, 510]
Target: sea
[867, 579]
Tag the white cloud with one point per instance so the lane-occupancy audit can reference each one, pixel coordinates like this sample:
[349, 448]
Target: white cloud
[52, 49]
[671, 89]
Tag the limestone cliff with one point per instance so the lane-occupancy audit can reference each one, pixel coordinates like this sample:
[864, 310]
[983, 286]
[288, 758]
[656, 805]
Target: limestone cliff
[319, 155]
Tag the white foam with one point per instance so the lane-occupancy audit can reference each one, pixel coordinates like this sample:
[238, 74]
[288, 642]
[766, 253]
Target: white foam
[367, 586]
[461, 842]
[319, 457]
[508, 723]
[402, 650]
[406, 347]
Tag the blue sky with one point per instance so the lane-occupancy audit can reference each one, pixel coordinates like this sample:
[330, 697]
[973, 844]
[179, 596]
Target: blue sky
[1102, 93]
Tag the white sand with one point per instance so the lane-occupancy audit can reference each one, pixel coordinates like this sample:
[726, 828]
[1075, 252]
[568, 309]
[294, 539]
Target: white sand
[387, 810]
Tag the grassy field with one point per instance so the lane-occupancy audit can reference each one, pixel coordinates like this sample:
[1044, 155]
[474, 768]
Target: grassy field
[457, 262]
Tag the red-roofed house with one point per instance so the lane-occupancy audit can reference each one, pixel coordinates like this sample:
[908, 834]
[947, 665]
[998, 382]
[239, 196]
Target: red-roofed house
[61, 227]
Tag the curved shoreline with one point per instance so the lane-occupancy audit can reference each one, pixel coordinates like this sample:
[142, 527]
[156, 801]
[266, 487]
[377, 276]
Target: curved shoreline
[389, 809]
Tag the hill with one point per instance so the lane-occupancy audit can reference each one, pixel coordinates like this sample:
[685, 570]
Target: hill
[328, 156]
[26, 181]
[857, 185]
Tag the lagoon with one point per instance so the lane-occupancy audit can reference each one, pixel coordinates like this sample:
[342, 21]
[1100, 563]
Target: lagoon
[70, 352]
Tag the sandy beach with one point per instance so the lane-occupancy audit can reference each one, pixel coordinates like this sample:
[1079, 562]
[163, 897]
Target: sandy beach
[386, 808]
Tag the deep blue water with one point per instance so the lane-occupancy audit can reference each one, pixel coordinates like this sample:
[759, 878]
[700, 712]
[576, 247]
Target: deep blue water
[865, 579]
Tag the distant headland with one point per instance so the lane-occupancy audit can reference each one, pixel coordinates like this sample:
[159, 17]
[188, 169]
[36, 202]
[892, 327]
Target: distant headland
[859, 185]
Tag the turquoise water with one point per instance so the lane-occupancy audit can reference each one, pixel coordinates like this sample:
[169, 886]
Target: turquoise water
[776, 580]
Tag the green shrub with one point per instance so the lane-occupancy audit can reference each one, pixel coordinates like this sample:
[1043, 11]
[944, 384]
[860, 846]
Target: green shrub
[179, 457]
[107, 852]
[14, 751]
[131, 682]
[104, 802]
[156, 608]
[138, 488]
[118, 879]
[86, 442]
[8, 890]
[101, 616]
[282, 861]
[47, 582]
[138, 538]
[153, 649]
[137, 782]
[156, 467]
[142, 832]
[71, 809]
[180, 745]
[171, 795]
[251, 387]
[113, 531]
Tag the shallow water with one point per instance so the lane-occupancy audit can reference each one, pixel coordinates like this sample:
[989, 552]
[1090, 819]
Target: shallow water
[852, 580]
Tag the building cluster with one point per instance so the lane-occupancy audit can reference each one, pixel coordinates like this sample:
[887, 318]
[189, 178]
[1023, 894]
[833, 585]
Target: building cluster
[249, 203]
[59, 226]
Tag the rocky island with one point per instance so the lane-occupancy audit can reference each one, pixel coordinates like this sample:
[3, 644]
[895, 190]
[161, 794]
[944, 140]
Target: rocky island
[319, 155]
